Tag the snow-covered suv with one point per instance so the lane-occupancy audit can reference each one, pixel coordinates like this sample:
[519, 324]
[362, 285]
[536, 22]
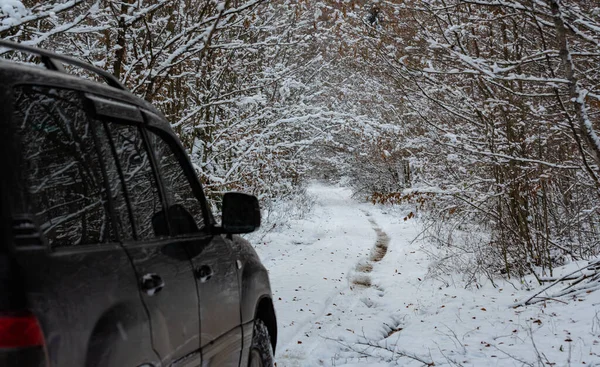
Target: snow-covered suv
[109, 254]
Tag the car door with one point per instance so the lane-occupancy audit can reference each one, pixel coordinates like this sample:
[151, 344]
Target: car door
[219, 290]
[81, 286]
[212, 257]
[164, 270]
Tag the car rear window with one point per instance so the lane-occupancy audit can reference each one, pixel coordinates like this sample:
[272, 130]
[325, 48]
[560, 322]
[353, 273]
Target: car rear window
[63, 170]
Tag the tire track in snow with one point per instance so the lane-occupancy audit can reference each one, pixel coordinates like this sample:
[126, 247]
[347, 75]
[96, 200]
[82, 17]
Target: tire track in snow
[325, 323]
[378, 252]
[326, 246]
[381, 244]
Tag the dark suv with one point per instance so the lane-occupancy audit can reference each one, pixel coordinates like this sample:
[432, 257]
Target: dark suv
[109, 254]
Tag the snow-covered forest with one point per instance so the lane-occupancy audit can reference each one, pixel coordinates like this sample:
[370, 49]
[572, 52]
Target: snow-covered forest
[482, 117]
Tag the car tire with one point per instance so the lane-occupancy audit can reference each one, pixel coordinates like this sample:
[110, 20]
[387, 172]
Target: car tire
[261, 351]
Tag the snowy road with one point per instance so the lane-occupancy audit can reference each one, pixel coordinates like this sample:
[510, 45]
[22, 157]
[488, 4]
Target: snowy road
[349, 274]
[323, 270]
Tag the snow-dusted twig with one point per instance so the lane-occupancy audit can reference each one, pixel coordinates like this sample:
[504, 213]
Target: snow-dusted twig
[529, 300]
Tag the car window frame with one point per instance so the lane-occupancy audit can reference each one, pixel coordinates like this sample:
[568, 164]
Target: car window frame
[185, 164]
[141, 125]
[107, 122]
[152, 122]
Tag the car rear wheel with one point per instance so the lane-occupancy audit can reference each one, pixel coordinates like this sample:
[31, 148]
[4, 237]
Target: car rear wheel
[261, 351]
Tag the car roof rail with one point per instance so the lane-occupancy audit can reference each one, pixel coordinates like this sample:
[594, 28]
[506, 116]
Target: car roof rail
[52, 61]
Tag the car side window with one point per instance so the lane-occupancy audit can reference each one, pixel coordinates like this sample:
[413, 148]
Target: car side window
[62, 168]
[138, 179]
[177, 185]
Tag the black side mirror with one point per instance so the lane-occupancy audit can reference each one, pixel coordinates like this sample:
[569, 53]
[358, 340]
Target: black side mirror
[182, 222]
[241, 213]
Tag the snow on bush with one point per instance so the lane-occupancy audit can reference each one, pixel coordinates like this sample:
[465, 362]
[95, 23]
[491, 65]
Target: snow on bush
[12, 11]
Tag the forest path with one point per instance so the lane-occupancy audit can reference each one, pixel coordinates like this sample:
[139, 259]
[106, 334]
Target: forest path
[323, 271]
[352, 287]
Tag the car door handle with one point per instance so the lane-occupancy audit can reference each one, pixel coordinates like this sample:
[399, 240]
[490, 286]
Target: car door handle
[204, 273]
[152, 284]
[25, 231]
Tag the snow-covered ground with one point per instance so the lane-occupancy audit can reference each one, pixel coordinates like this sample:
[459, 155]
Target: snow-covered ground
[351, 289]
